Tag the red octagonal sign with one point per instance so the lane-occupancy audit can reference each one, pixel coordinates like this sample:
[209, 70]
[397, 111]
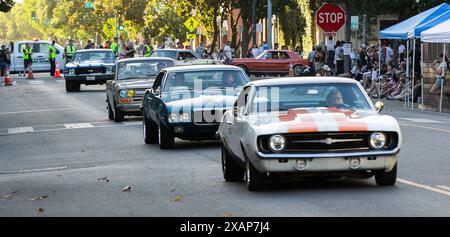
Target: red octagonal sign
[330, 18]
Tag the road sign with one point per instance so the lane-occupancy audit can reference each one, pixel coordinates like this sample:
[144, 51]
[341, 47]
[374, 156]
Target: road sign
[89, 5]
[330, 18]
[191, 24]
[347, 49]
[191, 36]
[354, 23]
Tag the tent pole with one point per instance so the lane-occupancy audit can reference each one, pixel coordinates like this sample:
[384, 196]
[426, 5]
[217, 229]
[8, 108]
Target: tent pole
[421, 73]
[413, 73]
[407, 71]
[442, 81]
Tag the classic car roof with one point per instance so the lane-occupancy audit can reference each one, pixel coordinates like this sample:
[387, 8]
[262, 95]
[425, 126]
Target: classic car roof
[144, 59]
[201, 67]
[301, 80]
[93, 50]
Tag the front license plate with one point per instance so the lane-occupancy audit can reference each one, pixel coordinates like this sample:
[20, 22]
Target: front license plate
[90, 78]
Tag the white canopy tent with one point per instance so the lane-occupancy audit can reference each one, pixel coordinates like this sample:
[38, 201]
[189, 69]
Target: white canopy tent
[438, 34]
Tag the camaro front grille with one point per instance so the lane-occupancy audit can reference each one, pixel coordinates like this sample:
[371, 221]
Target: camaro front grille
[326, 142]
[90, 70]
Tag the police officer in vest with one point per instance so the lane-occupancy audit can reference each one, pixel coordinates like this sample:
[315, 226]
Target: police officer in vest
[69, 50]
[115, 46]
[148, 49]
[27, 58]
[52, 58]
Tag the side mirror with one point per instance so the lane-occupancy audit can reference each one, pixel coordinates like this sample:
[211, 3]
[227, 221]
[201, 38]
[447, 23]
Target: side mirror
[379, 106]
[157, 91]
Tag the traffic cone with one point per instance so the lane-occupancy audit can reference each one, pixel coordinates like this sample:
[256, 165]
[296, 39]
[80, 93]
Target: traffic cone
[30, 73]
[57, 72]
[291, 70]
[8, 81]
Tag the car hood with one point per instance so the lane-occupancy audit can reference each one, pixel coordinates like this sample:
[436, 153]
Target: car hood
[136, 83]
[201, 102]
[322, 120]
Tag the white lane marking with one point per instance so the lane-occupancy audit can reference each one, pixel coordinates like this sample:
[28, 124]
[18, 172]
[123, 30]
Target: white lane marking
[42, 169]
[426, 187]
[444, 187]
[20, 130]
[37, 111]
[60, 81]
[131, 123]
[421, 120]
[78, 125]
[37, 82]
[431, 128]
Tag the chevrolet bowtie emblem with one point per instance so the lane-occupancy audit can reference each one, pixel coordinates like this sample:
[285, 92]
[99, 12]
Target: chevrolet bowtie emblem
[329, 141]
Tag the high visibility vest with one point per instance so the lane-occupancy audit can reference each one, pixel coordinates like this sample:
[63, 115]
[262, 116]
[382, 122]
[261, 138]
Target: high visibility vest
[27, 53]
[115, 48]
[51, 52]
[148, 51]
[70, 50]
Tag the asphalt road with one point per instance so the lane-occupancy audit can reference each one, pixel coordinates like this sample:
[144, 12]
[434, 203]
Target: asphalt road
[61, 156]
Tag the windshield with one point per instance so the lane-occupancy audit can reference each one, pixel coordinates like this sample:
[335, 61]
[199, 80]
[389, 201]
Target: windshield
[165, 53]
[139, 70]
[84, 57]
[205, 80]
[335, 95]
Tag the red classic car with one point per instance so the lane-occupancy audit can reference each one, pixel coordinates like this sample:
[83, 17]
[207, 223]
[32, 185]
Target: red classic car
[272, 62]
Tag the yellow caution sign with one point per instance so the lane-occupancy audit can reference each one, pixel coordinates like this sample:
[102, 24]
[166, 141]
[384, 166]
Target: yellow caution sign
[191, 36]
[191, 24]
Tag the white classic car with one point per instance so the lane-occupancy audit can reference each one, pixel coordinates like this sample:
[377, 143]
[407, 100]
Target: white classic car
[183, 57]
[318, 126]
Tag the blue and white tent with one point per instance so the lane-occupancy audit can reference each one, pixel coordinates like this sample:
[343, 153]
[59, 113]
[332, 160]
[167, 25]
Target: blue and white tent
[400, 31]
[428, 25]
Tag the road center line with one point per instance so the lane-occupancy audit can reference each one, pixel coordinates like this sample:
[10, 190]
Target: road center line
[431, 128]
[426, 187]
[37, 111]
[20, 130]
[444, 187]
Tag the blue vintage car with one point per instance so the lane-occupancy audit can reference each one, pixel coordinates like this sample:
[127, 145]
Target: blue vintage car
[89, 67]
[188, 102]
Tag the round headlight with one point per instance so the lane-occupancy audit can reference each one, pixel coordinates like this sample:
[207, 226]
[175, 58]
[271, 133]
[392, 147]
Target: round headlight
[174, 118]
[185, 117]
[123, 93]
[277, 143]
[130, 93]
[71, 71]
[377, 140]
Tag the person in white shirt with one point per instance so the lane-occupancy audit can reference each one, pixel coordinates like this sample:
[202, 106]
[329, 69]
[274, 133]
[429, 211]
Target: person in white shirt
[227, 53]
[401, 52]
[440, 65]
[255, 51]
[389, 54]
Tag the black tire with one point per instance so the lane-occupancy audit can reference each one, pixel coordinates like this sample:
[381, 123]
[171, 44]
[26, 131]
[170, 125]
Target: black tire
[254, 180]
[77, 86]
[110, 111]
[165, 137]
[150, 131]
[232, 172]
[71, 86]
[386, 178]
[118, 115]
[297, 70]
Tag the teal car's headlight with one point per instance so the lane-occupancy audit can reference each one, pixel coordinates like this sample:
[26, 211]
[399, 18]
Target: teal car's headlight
[177, 118]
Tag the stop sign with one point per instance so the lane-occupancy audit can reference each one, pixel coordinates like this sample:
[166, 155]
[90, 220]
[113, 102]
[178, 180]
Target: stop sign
[330, 18]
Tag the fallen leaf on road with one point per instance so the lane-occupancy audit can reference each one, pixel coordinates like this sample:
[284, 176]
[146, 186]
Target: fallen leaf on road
[14, 192]
[172, 190]
[7, 196]
[59, 175]
[38, 198]
[40, 209]
[227, 214]
[103, 178]
[126, 189]
[107, 180]
[178, 198]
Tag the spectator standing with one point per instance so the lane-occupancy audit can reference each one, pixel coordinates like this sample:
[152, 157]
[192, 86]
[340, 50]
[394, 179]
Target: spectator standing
[89, 45]
[276, 46]
[330, 52]
[227, 53]
[440, 65]
[255, 51]
[311, 56]
[200, 49]
[401, 52]
[339, 58]
[3, 61]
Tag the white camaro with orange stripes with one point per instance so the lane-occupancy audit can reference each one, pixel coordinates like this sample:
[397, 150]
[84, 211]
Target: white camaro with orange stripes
[308, 127]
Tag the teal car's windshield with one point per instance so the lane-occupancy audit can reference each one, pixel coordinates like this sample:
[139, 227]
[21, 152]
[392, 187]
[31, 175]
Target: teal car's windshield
[335, 95]
[141, 69]
[205, 80]
[86, 57]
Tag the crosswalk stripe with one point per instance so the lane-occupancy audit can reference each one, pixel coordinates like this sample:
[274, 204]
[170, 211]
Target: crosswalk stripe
[131, 123]
[37, 82]
[78, 125]
[20, 130]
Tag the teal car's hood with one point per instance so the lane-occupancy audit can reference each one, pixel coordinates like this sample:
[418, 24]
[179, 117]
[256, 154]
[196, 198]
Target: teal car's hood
[177, 102]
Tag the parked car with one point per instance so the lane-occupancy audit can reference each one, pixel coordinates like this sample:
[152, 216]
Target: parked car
[308, 127]
[133, 76]
[272, 62]
[39, 57]
[183, 57]
[188, 102]
[89, 67]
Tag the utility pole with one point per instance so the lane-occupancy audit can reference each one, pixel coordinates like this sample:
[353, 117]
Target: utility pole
[269, 23]
[364, 29]
[254, 21]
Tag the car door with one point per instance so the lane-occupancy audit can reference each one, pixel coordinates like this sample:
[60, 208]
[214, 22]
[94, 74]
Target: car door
[40, 56]
[18, 58]
[154, 102]
[236, 127]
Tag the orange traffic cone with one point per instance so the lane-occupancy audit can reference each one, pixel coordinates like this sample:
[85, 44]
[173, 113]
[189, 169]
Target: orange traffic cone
[8, 81]
[57, 72]
[30, 73]
[291, 70]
